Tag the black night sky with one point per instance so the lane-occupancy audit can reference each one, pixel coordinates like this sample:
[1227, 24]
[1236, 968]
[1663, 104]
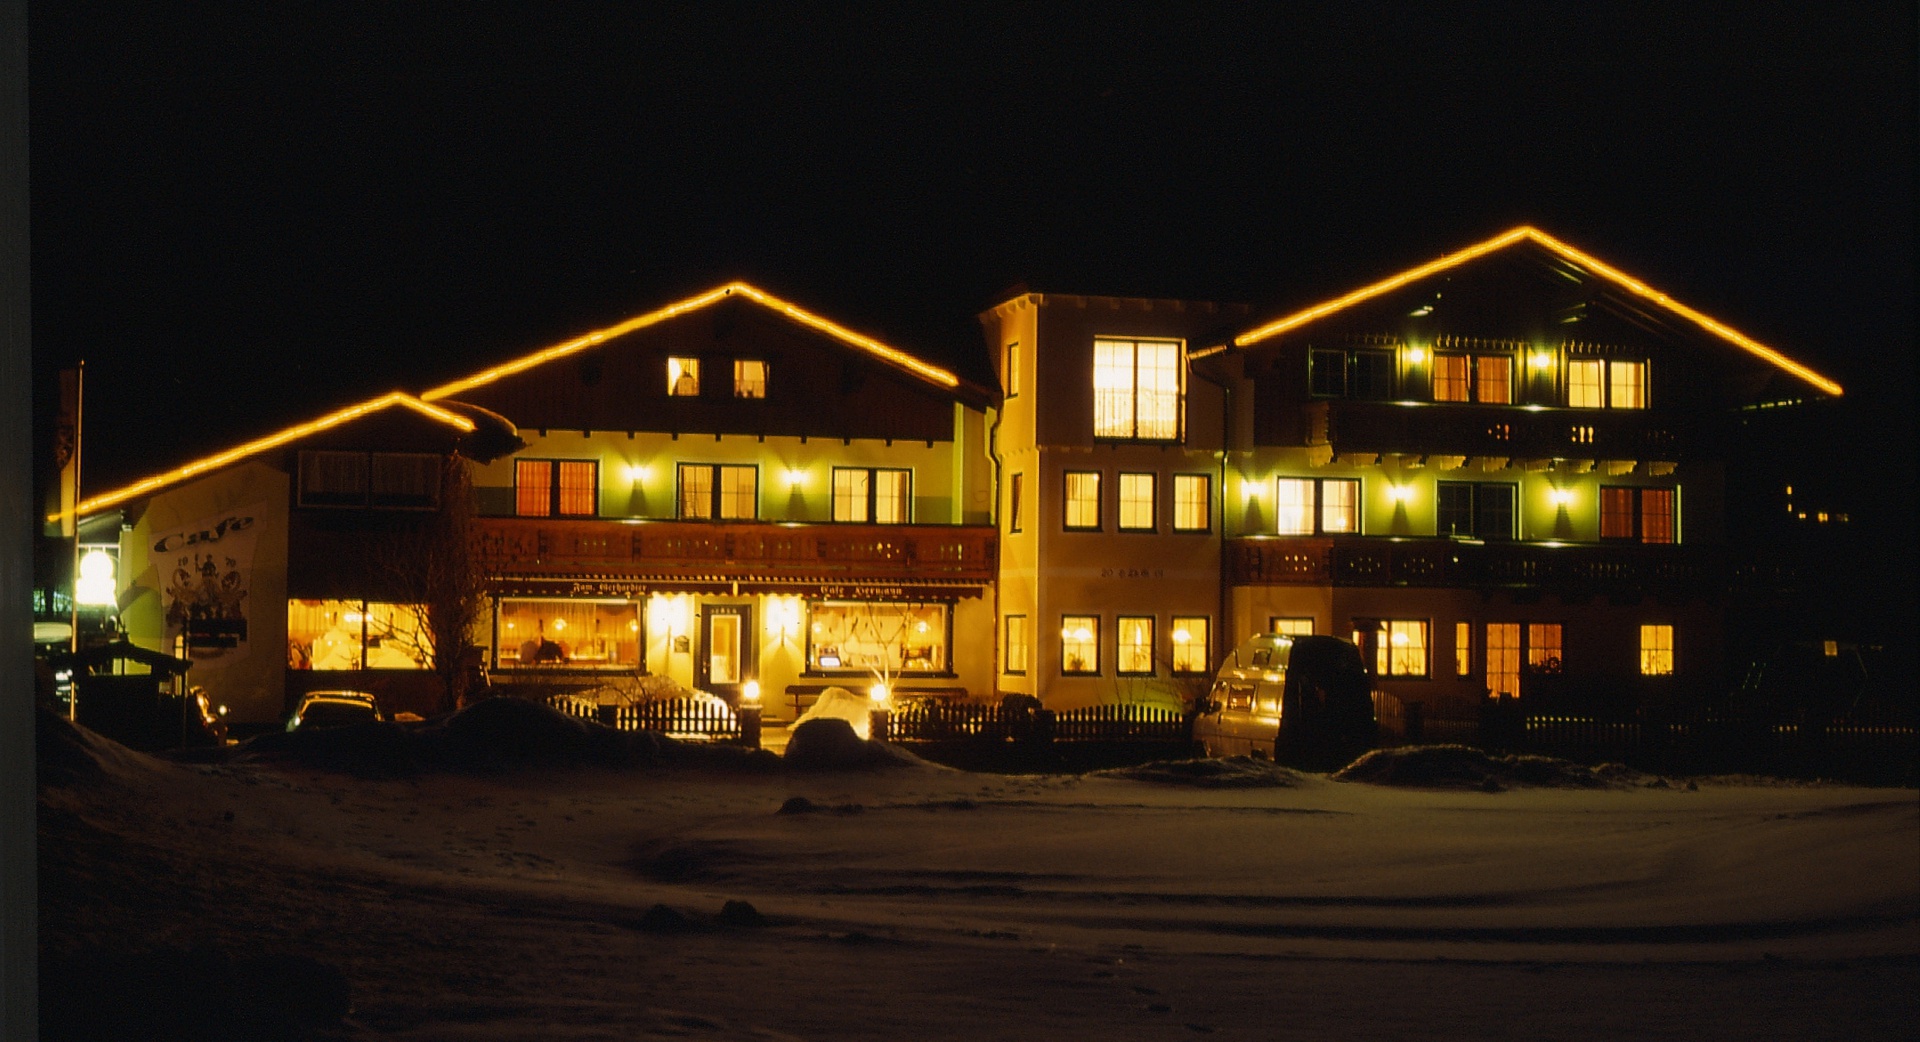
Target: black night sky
[245, 214]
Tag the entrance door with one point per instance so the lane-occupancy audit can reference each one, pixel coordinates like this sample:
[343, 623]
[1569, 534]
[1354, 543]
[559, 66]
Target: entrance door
[726, 649]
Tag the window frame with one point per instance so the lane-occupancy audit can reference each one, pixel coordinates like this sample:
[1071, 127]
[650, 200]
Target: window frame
[1274, 621]
[1012, 362]
[1067, 501]
[1092, 644]
[1205, 644]
[368, 494]
[1150, 645]
[1205, 503]
[1008, 644]
[872, 501]
[1652, 655]
[715, 490]
[1476, 509]
[1638, 497]
[1385, 650]
[1016, 488]
[679, 368]
[1316, 506]
[1603, 391]
[741, 384]
[555, 494]
[1134, 394]
[1153, 501]
[810, 664]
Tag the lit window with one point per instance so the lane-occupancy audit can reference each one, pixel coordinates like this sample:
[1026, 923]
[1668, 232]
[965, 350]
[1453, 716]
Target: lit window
[1310, 506]
[880, 496]
[1450, 382]
[1016, 645]
[1013, 369]
[1544, 650]
[1135, 651]
[1403, 648]
[1015, 501]
[1136, 389]
[1192, 503]
[1478, 378]
[1594, 383]
[573, 634]
[1290, 627]
[1083, 500]
[355, 635]
[716, 491]
[1462, 649]
[749, 378]
[683, 377]
[1584, 390]
[1190, 649]
[1503, 658]
[1136, 503]
[1080, 644]
[1480, 510]
[1643, 515]
[868, 637]
[1626, 385]
[1656, 650]
[549, 488]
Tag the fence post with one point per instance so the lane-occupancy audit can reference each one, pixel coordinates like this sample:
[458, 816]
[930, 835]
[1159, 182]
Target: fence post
[1413, 716]
[879, 723]
[608, 715]
[750, 726]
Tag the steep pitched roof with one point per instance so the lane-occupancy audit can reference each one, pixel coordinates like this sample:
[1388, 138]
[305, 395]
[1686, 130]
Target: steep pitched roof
[283, 436]
[892, 355]
[1586, 261]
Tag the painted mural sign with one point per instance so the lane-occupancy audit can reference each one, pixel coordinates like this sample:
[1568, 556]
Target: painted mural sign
[208, 565]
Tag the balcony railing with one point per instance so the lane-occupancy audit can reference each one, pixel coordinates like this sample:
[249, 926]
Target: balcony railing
[1375, 561]
[740, 550]
[1496, 430]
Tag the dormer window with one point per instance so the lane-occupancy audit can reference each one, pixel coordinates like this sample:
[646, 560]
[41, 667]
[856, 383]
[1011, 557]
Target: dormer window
[683, 377]
[1136, 389]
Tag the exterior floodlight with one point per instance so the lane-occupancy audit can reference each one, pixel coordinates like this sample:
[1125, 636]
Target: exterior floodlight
[879, 694]
[750, 692]
[1562, 496]
[95, 585]
[1416, 355]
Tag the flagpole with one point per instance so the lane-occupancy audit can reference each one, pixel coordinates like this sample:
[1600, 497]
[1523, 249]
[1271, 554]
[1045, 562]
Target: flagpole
[73, 599]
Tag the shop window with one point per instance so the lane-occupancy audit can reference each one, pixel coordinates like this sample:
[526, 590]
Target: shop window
[749, 378]
[554, 633]
[353, 635]
[1290, 627]
[384, 480]
[1603, 383]
[1192, 503]
[1134, 652]
[1136, 389]
[877, 637]
[1137, 502]
[1014, 649]
[683, 377]
[1080, 645]
[1402, 651]
[1083, 500]
[1316, 506]
[1640, 515]
[1482, 510]
[556, 488]
[1656, 650]
[712, 491]
[1191, 648]
[872, 495]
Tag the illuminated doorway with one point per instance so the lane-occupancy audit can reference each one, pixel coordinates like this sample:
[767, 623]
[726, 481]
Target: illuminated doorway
[726, 649]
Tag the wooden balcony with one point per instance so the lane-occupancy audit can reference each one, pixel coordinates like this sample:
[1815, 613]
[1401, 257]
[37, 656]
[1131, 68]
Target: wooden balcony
[1607, 569]
[1459, 429]
[749, 552]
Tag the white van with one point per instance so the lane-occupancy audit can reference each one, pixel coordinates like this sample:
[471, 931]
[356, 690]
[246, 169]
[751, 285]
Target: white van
[1303, 701]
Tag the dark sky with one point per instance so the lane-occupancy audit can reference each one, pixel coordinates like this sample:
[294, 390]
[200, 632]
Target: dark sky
[245, 214]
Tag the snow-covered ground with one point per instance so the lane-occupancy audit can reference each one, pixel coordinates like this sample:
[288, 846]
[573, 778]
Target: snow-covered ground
[917, 902]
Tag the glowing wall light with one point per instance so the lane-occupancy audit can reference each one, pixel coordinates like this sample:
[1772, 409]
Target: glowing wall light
[1399, 493]
[95, 586]
[1561, 496]
[1416, 355]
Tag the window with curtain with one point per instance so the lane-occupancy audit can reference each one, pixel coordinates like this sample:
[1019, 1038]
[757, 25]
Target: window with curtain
[1134, 653]
[1137, 389]
[1656, 649]
[1137, 502]
[1083, 500]
[1192, 502]
[556, 488]
[1080, 645]
[874, 495]
[1191, 653]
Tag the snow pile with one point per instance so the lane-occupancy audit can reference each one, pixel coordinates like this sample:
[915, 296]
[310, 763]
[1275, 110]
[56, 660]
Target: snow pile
[837, 703]
[1463, 767]
[1232, 772]
[831, 744]
[67, 754]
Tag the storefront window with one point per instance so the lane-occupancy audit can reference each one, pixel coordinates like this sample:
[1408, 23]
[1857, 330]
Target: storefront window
[876, 636]
[567, 634]
[340, 635]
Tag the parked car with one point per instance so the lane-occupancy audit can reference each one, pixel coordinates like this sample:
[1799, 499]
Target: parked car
[1302, 701]
[334, 709]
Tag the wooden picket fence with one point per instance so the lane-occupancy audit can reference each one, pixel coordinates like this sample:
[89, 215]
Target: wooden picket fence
[686, 718]
[934, 721]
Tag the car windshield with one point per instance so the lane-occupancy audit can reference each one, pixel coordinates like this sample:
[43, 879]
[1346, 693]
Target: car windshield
[335, 714]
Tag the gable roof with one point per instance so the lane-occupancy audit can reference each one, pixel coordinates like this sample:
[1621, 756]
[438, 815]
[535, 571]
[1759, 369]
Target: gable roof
[156, 482]
[899, 359]
[1587, 261]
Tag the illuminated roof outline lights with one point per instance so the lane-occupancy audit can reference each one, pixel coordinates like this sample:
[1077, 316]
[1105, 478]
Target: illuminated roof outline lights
[94, 504]
[1569, 253]
[893, 355]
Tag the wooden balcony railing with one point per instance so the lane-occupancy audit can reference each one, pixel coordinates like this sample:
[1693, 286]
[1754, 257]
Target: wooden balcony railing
[1497, 430]
[1374, 561]
[547, 546]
